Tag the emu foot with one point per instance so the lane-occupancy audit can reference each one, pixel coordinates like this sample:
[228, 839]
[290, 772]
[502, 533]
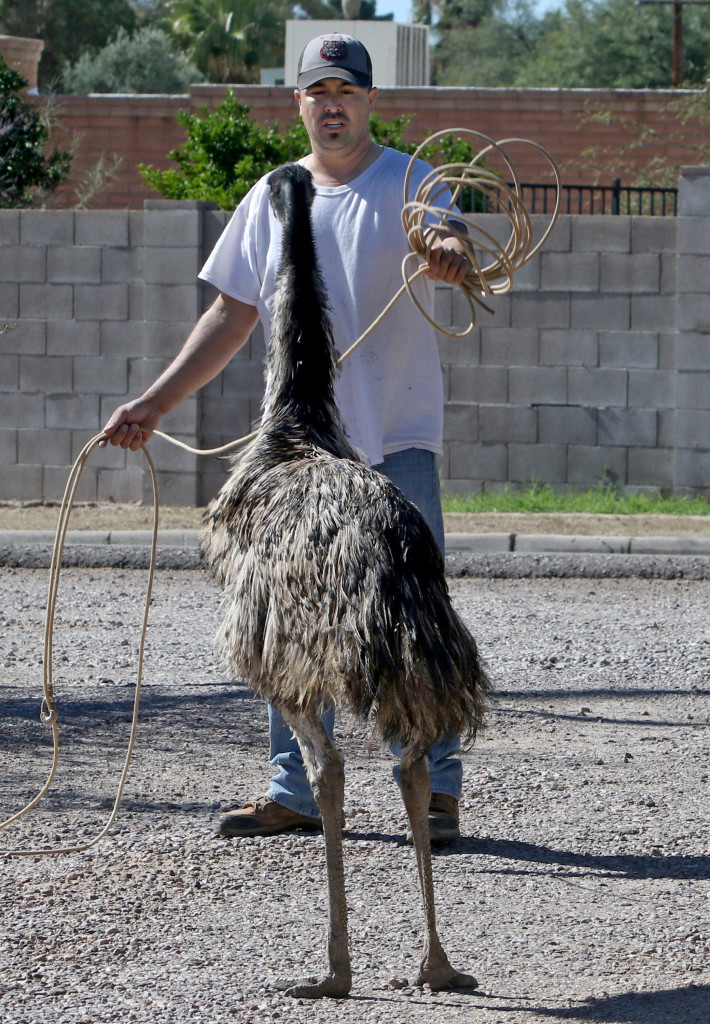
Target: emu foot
[331, 986]
[443, 976]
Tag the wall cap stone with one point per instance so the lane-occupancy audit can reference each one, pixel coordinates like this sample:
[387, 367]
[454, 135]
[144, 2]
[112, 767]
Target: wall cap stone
[694, 192]
[180, 204]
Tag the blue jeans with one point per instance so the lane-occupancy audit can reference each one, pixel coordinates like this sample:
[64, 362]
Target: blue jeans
[414, 472]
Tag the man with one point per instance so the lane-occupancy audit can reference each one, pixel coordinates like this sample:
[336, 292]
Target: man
[390, 390]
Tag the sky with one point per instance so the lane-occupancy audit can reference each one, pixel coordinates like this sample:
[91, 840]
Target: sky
[402, 9]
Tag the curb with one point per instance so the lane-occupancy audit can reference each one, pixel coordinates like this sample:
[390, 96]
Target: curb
[478, 543]
[123, 538]
[551, 543]
[486, 555]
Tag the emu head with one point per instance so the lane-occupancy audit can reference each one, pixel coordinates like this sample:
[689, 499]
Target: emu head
[291, 188]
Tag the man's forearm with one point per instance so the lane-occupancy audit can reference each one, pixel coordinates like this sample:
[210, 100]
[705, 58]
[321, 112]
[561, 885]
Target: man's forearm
[221, 331]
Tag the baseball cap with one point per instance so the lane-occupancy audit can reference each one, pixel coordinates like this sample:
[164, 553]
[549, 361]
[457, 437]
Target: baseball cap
[335, 56]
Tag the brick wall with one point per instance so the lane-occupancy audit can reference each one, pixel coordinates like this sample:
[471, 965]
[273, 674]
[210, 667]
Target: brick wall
[596, 366]
[143, 128]
[132, 129]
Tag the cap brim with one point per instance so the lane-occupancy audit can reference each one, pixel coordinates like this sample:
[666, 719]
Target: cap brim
[307, 78]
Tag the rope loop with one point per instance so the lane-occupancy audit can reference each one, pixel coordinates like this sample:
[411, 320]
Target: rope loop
[424, 220]
[48, 711]
[47, 714]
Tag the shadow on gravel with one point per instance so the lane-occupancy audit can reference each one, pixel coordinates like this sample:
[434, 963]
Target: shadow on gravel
[581, 864]
[607, 692]
[222, 706]
[119, 705]
[591, 694]
[687, 1005]
[398, 839]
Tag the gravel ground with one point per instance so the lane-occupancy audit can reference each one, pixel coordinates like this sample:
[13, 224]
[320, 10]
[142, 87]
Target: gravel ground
[579, 892]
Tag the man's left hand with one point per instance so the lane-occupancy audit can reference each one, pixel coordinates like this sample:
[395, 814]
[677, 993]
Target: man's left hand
[449, 261]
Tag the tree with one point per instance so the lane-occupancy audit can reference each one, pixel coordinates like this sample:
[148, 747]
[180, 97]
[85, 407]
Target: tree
[142, 63]
[586, 44]
[68, 28]
[483, 42]
[26, 173]
[230, 40]
[635, 44]
[333, 10]
[459, 14]
[368, 11]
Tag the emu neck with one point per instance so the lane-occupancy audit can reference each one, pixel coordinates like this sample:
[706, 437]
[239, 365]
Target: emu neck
[302, 355]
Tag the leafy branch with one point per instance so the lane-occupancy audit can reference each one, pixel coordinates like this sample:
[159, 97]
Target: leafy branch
[642, 159]
[26, 173]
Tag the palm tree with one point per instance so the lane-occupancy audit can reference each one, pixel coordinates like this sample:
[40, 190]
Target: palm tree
[230, 40]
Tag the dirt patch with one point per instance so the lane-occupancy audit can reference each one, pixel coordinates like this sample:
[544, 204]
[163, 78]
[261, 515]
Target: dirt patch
[16, 516]
[99, 517]
[577, 524]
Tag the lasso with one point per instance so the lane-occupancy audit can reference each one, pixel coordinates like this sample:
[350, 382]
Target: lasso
[424, 220]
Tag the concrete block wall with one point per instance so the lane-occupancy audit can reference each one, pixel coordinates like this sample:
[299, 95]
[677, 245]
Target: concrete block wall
[596, 367]
[572, 381]
[692, 313]
[101, 301]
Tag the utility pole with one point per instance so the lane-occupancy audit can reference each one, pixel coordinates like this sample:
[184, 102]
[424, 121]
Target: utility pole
[677, 58]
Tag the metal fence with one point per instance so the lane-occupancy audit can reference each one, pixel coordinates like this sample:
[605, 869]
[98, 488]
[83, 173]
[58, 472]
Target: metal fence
[615, 199]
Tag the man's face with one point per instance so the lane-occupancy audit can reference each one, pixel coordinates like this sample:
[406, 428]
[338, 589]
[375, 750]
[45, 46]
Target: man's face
[336, 114]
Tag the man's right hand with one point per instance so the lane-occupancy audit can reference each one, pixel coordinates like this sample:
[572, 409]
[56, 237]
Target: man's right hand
[131, 424]
[219, 333]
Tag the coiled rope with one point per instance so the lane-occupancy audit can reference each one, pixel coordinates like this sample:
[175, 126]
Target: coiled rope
[424, 220]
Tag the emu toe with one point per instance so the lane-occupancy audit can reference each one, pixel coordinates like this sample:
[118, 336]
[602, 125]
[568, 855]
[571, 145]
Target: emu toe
[443, 976]
[331, 987]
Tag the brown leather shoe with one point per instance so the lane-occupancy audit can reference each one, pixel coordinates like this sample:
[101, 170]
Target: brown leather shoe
[264, 817]
[443, 819]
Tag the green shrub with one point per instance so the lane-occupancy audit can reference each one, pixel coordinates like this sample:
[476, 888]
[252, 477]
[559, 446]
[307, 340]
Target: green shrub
[225, 154]
[140, 63]
[26, 173]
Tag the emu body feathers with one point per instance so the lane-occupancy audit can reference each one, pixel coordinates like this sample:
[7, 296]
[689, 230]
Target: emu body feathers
[333, 583]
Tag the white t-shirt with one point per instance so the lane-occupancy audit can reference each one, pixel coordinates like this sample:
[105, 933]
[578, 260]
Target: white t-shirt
[389, 391]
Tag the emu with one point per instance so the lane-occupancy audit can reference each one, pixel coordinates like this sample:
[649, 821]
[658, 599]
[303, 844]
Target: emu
[334, 587]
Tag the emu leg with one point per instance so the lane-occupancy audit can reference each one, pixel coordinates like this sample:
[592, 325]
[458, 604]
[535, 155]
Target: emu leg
[324, 764]
[435, 968]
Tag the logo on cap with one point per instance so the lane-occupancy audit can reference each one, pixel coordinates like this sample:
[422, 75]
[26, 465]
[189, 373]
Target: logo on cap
[334, 49]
